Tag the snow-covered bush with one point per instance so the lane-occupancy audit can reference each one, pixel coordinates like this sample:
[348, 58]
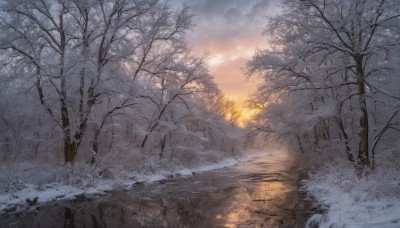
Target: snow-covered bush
[339, 189]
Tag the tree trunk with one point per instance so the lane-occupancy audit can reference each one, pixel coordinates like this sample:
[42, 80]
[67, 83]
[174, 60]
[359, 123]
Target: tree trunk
[69, 152]
[144, 140]
[300, 144]
[363, 150]
[95, 148]
[163, 142]
[345, 138]
[150, 129]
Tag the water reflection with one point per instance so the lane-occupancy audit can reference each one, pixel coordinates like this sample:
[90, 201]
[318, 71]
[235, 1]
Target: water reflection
[267, 199]
[258, 194]
[69, 218]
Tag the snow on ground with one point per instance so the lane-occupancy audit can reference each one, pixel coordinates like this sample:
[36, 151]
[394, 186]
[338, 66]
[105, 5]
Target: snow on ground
[26, 184]
[351, 201]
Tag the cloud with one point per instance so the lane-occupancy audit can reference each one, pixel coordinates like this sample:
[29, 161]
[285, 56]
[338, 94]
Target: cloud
[230, 30]
[230, 77]
[221, 20]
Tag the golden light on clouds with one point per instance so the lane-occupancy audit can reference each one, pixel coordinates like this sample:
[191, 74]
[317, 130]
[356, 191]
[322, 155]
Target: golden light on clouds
[215, 61]
[230, 31]
[226, 64]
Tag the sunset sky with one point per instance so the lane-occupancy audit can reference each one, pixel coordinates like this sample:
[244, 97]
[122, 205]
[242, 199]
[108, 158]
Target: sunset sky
[230, 31]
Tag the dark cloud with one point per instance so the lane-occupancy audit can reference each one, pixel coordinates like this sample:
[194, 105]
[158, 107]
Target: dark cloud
[263, 8]
[227, 22]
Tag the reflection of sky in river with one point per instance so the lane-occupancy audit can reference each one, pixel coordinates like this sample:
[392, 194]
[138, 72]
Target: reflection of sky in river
[248, 195]
[266, 186]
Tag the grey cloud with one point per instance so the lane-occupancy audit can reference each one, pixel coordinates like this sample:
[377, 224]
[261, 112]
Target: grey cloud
[232, 14]
[213, 7]
[229, 28]
[220, 8]
[260, 8]
[227, 20]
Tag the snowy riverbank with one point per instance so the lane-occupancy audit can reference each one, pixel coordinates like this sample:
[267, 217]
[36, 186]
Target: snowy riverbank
[26, 185]
[355, 202]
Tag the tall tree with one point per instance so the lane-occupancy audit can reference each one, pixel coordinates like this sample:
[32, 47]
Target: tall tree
[333, 49]
[184, 77]
[76, 51]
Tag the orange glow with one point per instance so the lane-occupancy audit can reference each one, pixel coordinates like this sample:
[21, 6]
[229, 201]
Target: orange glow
[243, 207]
[226, 64]
[231, 31]
[247, 114]
[264, 199]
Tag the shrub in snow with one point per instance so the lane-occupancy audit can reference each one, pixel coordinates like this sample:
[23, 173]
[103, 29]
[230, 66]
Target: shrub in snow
[314, 221]
[374, 195]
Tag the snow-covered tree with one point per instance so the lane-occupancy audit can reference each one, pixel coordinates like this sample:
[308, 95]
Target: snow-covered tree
[100, 77]
[327, 63]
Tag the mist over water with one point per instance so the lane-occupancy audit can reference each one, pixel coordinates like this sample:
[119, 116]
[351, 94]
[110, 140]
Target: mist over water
[259, 193]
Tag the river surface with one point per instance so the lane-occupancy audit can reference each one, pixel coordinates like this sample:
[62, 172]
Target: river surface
[260, 193]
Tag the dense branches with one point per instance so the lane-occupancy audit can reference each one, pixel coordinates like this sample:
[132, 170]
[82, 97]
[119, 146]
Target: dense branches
[94, 67]
[328, 54]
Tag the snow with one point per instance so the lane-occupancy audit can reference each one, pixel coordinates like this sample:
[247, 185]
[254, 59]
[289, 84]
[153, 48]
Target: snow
[14, 198]
[349, 200]
[225, 163]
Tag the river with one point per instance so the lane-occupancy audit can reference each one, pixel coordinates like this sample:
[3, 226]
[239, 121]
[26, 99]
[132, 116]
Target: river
[259, 193]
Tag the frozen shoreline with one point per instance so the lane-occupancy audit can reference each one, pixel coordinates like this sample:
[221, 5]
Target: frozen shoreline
[352, 201]
[31, 195]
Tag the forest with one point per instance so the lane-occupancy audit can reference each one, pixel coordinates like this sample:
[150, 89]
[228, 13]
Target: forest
[330, 78]
[330, 90]
[102, 89]
[86, 80]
